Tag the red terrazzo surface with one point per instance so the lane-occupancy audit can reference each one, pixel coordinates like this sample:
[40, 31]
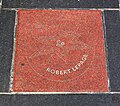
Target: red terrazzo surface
[60, 51]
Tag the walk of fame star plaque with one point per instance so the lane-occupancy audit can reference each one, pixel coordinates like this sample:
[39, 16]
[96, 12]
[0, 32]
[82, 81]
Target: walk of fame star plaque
[60, 51]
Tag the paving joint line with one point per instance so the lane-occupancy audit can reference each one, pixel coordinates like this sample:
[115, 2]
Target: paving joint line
[119, 3]
[63, 8]
[106, 49]
[54, 93]
[0, 5]
[13, 55]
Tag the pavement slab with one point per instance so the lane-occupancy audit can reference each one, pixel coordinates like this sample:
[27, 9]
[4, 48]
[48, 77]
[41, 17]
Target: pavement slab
[60, 4]
[7, 22]
[60, 100]
[60, 51]
[112, 20]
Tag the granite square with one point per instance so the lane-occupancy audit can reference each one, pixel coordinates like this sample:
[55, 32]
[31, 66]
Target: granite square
[60, 51]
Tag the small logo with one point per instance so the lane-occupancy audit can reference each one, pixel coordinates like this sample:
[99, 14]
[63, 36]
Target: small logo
[60, 43]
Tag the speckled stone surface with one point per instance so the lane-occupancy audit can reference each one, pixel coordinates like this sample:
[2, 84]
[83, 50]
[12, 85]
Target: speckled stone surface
[60, 51]
[60, 4]
[60, 100]
[28, 71]
[6, 47]
[112, 20]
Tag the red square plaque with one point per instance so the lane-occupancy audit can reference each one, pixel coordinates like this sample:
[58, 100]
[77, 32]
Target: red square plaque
[60, 51]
